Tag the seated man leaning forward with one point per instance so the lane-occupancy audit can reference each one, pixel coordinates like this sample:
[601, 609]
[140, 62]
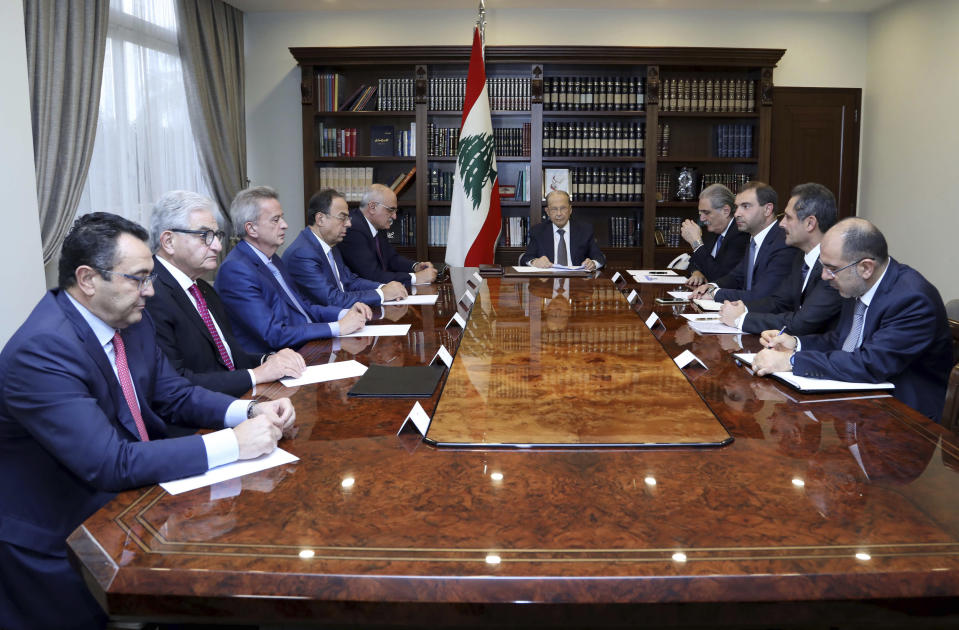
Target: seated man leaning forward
[562, 240]
[266, 310]
[894, 329]
[85, 397]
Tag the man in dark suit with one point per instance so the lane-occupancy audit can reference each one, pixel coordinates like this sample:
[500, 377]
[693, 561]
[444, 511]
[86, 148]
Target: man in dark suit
[768, 259]
[85, 394]
[562, 241]
[723, 246]
[316, 265]
[192, 326]
[805, 303]
[264, 306]
[366, 250]
[893, 329]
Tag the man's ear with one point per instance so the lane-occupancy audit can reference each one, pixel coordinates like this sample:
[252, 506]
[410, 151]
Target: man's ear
[85, 276]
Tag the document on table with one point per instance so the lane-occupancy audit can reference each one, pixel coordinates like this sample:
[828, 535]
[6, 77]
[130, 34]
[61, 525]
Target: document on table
[708, 305]
[815, 385]
[654, 272]
[230, 471]
[529, 269]
[382, 330]
[326, 372]
[656, 279]
[700, 317]
[680, 295]
[414, 299]
[710, 327]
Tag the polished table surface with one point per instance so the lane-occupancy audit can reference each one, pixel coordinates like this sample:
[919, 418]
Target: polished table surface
[842, 501]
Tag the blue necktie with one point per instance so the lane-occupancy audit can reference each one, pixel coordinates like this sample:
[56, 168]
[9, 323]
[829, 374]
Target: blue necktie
[752, 261]
[336, 272]
[279, 278]
[855, 332]
[719, 243]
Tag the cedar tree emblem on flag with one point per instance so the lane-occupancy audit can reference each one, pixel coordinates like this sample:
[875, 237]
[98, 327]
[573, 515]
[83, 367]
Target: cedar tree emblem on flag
[475, 162]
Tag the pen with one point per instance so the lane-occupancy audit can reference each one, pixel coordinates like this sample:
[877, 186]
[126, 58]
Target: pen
[781, 331]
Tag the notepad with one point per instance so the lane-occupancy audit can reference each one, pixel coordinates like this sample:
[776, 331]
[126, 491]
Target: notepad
[811, 385]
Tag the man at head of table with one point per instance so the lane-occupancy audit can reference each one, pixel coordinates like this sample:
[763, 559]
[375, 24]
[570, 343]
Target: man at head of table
[562, 240]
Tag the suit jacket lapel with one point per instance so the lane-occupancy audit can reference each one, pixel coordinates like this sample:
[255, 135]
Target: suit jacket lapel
[815, 277]
[268, 276]
[324, 261]
[184, 303]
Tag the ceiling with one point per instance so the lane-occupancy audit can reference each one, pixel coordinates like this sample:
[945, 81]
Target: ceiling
[841, 6]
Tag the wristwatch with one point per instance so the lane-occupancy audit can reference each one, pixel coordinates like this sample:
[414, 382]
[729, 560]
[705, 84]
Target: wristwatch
[697, 245]
[251, 409]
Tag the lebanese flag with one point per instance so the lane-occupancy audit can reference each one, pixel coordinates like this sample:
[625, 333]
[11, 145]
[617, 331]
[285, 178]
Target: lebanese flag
[475, 215]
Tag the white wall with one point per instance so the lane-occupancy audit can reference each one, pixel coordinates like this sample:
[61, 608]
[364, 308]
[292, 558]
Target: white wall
[911, 137]
[827, 50]
[21, 260]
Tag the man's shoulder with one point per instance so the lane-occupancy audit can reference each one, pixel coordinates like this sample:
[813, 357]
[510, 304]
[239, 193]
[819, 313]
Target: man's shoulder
[47, 318]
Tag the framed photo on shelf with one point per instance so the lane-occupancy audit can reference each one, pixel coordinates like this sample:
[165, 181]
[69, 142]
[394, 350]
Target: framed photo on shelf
[556, 179]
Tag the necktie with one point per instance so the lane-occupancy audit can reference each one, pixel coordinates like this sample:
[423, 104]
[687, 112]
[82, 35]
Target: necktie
[126, 384]
[208, 320]
[805, 276]
[279, 278]
[852, 340]
[379, 252]
[561, 258]
[336, 272]
[719, 243]
[752, 260]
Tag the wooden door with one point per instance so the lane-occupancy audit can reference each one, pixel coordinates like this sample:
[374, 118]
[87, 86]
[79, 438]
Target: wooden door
[815, 138]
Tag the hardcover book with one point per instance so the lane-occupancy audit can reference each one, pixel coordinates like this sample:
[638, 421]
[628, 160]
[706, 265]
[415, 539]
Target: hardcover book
[381, 140]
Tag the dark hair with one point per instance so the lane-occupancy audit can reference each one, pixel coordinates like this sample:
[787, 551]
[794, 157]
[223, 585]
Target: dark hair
[321, 202]
[817, 201]
[861, 239]
[92, 241]
[764, 193]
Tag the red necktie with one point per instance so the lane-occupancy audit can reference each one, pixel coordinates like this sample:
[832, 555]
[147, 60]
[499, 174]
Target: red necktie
[205, 315]
[126, 384]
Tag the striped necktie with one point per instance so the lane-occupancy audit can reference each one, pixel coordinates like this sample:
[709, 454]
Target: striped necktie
[208, 320]
[855, 332]
[126, 385]
[752, 262]
[336, 271]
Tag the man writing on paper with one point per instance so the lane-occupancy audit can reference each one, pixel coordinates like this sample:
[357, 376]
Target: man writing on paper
[191, 322]
[804, 303]
[723, 247]
[366, 250]
[316, 265]
[264, 306]
[768, 259]
[562, 241]
[85, 395]
[895, 329]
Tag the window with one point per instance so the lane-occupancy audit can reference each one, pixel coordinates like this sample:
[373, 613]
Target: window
[144, 144]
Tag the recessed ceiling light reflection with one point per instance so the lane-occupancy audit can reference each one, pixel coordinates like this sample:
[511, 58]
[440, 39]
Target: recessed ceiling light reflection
[492, 559]
[863, 556]
[679, 556]
[496, 476]
[650, 480]
[307, 553]
[799, 483]
[348, 482]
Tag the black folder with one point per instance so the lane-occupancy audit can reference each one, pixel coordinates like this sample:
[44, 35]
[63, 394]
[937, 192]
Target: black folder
[418, 381]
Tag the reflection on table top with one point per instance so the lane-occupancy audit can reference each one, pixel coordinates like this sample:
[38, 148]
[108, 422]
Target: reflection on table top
[838, 500]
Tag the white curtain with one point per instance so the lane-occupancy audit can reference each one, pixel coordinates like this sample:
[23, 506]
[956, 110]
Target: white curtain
[144, 144]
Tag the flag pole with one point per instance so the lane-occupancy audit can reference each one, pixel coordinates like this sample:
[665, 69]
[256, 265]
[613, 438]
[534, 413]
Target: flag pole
[481, 25]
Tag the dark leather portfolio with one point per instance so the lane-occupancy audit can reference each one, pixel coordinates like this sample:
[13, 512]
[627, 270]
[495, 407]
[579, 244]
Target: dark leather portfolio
[418, 381]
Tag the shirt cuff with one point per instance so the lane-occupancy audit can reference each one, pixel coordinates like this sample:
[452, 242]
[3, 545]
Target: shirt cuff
[334, 329]
[235, 413]
[412, 279]
[798, 344]
[739, 320]
[222, 446]
[252, 379]
[380, 293]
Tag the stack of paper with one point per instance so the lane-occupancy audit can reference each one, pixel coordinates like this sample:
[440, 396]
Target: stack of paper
[815, 385]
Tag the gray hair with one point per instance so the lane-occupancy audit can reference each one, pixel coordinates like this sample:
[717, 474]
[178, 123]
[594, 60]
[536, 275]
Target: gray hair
[718, 196]
[815, 200]
[569, 200]
[373, 193]
[246, 207]
[173, 210]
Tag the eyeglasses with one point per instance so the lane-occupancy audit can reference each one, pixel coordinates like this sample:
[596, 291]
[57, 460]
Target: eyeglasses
[208, 235]
[392, 209]
[342, 218]
[141, 281]
[832, 273]
[557, 209]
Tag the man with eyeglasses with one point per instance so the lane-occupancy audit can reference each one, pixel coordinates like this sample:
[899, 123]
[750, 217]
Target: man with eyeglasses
[367, 251]
[191, 322]
[893, 329]
[265, 308]
[722, 247]
[85, 397]
[317, 266]
[562, 241]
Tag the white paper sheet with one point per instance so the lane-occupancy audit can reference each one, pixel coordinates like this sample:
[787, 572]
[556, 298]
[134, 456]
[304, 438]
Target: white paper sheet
[648, 279]
[679, 295]
[414, 299]
[655, 272]
[708, 327]
[326, 372]
[382, 330]
[230, 471]
[528, 269]
[807, 384]
[708, 305]
[700, 317]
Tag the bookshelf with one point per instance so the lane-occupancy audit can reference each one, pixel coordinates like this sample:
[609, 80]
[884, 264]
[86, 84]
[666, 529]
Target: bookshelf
[600, 113]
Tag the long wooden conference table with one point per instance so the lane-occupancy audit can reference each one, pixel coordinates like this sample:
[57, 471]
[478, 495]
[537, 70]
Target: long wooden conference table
[572, 475]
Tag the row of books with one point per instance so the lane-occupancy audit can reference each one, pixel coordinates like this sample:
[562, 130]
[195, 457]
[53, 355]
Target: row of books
[403, 230]
[512, 141]
[335, 141]
[402, 180]
[734, 141]
[594, 139]
[505, 93]
[624, 231]
[438, 229]
[351, 182]
[708, 95]
[441, 185]
[604, 183]
[360, 100]
[329, 86]
[668, 231]
[385, 140]
[442, 141]
[732, 181]
[395, 95]
[515, 232]
[522, 185]
[594, 93]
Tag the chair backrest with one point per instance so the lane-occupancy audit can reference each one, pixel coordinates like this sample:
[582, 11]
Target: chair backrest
[954, 328]
[950, 413]
[952, 309]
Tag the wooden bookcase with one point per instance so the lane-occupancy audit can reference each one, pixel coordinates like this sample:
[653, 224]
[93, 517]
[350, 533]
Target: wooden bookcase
[694, 136]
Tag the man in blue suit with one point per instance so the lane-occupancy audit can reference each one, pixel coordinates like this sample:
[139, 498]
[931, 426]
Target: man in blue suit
[316, 265]
[768, 259]
[85, 394]
[266, 310]
[805, 303]
[562, 241]
[722, 247]
[894, 327]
